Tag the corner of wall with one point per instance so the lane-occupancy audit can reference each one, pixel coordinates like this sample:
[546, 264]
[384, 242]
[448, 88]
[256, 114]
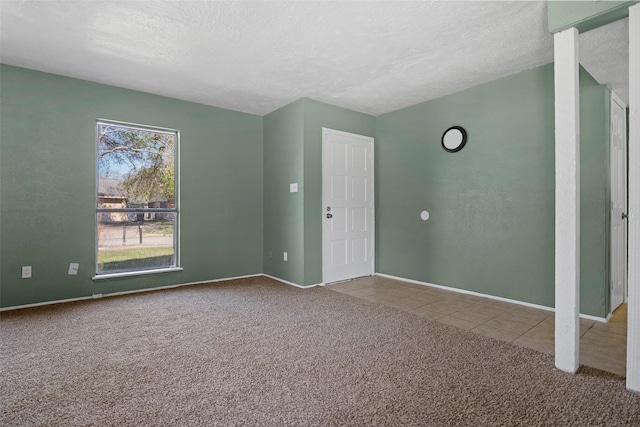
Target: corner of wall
[283, 219]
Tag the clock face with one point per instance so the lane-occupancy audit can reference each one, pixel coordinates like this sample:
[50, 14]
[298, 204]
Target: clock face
[454, 139]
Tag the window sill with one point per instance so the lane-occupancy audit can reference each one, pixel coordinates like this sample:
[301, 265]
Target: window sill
[135, 273]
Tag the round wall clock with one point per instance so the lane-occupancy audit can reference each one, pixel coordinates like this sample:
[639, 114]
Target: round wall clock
[454, 139]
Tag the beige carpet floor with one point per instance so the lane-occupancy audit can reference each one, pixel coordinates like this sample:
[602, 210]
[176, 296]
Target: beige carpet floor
[256, 352]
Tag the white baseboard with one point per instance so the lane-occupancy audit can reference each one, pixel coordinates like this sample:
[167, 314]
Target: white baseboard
[402, 279]
[135, 291]
[478, 294]
[40, 304]
[286, 282]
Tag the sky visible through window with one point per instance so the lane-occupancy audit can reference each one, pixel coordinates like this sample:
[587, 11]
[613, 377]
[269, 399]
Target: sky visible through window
[142, 161]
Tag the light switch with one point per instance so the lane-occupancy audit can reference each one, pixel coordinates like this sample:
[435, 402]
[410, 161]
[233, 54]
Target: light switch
[293, 188]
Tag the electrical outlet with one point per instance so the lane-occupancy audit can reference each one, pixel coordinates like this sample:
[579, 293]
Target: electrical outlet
[286, 257]
[73, 269]
[26, 271]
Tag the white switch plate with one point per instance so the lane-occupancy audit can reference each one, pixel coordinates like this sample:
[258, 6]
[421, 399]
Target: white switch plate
[293, 188]
[73, 269]
[26, 271]
[286, 256]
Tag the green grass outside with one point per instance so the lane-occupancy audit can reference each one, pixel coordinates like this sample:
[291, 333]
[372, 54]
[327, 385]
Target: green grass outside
[134, 259]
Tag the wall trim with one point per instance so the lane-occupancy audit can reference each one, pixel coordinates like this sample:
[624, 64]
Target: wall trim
[633, 220]
[286, 282]
[40, 304]
[135, 291]
[478, 294]
[107, 276]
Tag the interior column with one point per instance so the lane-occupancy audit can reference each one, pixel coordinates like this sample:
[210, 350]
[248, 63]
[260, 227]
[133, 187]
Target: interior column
[633, 320]
[567, 171]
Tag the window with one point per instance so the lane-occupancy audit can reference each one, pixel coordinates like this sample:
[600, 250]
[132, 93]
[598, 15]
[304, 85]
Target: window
[136, 204]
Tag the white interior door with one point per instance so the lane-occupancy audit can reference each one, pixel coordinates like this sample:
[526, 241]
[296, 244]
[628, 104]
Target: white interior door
[618, 202]
[347, 195]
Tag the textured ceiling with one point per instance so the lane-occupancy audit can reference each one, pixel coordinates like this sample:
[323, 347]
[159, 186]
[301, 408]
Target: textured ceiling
[257, 56]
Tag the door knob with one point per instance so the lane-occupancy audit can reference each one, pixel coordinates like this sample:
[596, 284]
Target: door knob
[624, 215]
[329, 216]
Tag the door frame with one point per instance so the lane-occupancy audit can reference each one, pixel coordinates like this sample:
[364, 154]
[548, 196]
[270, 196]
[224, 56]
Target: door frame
[325, 132]
[625, 286]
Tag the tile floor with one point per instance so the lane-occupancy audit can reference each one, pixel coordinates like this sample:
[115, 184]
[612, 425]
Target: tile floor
[602, 345]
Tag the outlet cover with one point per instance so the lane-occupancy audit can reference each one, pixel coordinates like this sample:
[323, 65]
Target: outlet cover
[73, 269]
[26, 271]
[293, 188]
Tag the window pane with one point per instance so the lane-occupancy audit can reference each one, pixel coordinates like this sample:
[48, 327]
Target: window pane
[135, 241]
[136, 167]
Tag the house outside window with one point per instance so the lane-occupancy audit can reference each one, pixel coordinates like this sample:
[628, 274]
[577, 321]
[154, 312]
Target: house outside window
[137, 210]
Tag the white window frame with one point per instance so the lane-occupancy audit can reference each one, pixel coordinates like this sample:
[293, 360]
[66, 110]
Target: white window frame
[175, 209]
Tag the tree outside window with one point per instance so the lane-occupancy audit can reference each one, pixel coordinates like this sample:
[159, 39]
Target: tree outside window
[136, 208]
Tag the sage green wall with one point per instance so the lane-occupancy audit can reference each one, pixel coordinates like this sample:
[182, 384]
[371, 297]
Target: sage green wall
[585, 15]
[293, 153]
[284, 211]
[492, 220]
[594, 199]
[491, 205]
[47, 185]
[316, 116]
